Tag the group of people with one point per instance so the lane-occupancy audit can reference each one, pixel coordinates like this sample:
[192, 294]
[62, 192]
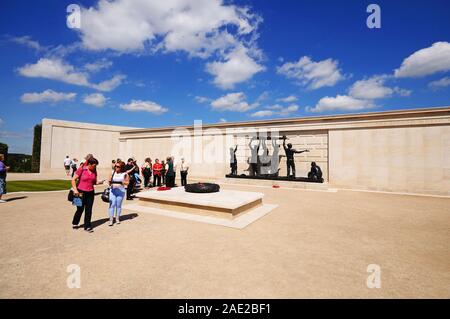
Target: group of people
[163, 172]
[122, 180]
[70, 163]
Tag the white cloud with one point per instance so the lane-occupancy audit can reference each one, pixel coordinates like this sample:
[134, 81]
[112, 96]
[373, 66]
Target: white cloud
[54, 69]
[438, 84]
[1, 121]
[312, 74]
[361, 95]
[264, 113]
[47, 96]
[288, 110]
[145, 106]
[28, 41]
[276, 110]
[201, 28]
[232, 102]
[57, 69]
[111, 84]
[222, 120]
[96, 99]
[402, 92]
[202, 99]
[194, 26]
[372, 88]
[98, 65]
[375, 88]
[288, 99]
[9, 134]
[341, 102]
[238, 67]
[263, 96]
[426, 61]
[274, 107]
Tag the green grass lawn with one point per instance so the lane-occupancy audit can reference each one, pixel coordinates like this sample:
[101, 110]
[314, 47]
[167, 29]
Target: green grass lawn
[35, 186]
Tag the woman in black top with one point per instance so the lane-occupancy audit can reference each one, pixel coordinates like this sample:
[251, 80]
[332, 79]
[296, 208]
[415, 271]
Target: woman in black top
[147, 171]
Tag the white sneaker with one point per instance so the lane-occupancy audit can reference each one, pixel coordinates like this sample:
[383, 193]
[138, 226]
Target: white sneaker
[2, 201]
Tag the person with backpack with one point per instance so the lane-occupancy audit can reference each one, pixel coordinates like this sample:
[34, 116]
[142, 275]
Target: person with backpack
[118, 180]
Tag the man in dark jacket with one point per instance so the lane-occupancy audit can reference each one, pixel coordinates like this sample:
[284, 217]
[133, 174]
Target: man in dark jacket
[131, 168]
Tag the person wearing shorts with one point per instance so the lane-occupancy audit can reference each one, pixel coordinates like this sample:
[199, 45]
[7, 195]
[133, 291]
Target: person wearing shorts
[67, 165]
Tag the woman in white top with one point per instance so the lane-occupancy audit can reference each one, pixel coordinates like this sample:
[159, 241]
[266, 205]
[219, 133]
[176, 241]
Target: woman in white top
[118, 179]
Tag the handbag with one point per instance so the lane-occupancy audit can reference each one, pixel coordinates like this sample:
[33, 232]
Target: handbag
[71, 195]
[105, 194]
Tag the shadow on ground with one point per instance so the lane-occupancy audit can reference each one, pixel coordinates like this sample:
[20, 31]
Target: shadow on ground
[16, 198]
[100, 222]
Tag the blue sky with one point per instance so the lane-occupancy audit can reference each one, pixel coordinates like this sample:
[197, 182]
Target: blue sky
[158, 63]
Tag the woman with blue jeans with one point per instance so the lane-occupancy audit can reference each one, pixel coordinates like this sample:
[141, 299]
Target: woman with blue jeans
[118, 181]
[3, 170]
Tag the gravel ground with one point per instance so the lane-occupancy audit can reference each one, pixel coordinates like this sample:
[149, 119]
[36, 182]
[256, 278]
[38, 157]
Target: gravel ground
[314, 245]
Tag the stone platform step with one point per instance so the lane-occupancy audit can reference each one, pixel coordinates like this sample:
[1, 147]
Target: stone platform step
[280, 183]
[226, 204]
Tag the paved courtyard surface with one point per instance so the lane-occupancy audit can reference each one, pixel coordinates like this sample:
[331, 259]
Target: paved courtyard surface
[314, 245]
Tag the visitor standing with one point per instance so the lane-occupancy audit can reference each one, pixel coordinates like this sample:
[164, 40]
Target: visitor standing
[163, 172]
[74, 166]
[3, 170]
[130, 169]
[67, 164]
[118, 180]
[170, 173]
[157, 168]
[175, 165]
[184, 167]
[113, 164]
[147, 171]
[87, 179]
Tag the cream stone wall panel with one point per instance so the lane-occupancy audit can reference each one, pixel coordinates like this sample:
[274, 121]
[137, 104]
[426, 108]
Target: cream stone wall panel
[406, 150]
[402, 159]
[79, 142]
[61, 138]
